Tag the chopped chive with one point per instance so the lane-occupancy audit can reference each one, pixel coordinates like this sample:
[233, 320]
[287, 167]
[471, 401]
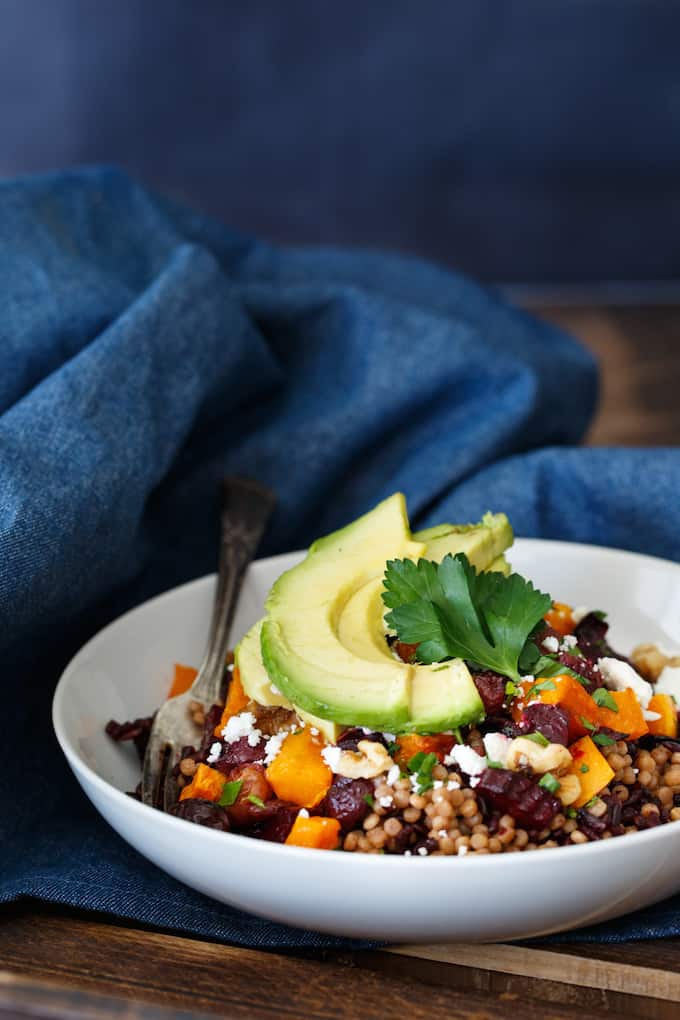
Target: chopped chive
[230, 792]
[584, 768]
[605, 699]
[549, 783]
[369, 800]
[257, 801]
[603, 740]
[538, 738]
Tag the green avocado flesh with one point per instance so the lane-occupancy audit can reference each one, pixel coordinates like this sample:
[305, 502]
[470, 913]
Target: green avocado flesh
[323, 645]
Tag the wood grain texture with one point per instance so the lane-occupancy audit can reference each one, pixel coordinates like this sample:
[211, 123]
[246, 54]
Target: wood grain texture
[182, 973]
[639, 354]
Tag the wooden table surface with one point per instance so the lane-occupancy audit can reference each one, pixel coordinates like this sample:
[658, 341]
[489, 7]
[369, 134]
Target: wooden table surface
[59, 963]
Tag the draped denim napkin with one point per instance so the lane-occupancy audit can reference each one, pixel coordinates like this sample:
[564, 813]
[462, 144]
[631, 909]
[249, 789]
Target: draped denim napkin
[146, 352]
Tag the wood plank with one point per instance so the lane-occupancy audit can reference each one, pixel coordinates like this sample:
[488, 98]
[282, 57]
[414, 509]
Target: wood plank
[176, 972]
[587, 970]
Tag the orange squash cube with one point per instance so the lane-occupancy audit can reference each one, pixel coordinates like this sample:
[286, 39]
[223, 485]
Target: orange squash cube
[667, 725]
[206, 784]
[319, 833]
[299, 773]
[591, 768]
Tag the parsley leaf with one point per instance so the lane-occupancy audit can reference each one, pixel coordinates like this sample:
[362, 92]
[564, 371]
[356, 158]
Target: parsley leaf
[230, 792]
[369, 800]
[451, 611]
[543, 685]
[603, 739]
[257, 801]
[604, 699]
[422, 764]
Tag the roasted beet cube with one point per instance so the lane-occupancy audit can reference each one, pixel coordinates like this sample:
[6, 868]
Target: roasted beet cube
[491, 688]
[346, 801]
[238, 753]
[550, 720]
[138, 730]
[517, 795]
[274, 821]
[202, 812]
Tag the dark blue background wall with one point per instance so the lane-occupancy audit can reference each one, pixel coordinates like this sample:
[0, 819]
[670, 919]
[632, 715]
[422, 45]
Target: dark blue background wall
[528, 141]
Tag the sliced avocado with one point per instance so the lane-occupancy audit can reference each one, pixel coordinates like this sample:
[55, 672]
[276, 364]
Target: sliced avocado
[443, 697]
[258, 687]
[499, 566]
[482, 543]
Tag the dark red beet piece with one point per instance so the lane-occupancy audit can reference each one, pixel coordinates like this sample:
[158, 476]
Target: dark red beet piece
[202, 812]
[591, 635]
[274, 821]
[238, 753]
[550, 720]
[584, 667]
[517, 795]
[138, 730]
[345, 801]
[491, 688]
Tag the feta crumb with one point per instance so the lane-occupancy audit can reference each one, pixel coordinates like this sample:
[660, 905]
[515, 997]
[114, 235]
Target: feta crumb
[386, 801]
[569, 641]
[239, 726]
[215, 751]
[618, 675]
[650, 716]
[273, 746]
[529, 678]
[442, 833]
[332, 756]
[496, 746]
[422, 851]
[390, 736]
[407, 853]
[274, 689]
[438, 783]
[393, 775]
[462, 850]
[551, 644]
[452, 785]
[467, 759]
[303, 813]
[579, 614]
[366, 730]
[474, 781]
[415, 782]
[313, 730]
[669, 682]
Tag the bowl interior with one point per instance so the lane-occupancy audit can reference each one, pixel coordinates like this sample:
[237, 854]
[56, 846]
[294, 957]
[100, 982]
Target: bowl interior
[126, 670]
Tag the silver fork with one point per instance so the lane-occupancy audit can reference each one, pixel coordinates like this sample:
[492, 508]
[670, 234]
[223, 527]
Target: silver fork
[246, 509]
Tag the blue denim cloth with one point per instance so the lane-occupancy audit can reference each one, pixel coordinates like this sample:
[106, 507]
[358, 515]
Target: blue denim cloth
[145, 353]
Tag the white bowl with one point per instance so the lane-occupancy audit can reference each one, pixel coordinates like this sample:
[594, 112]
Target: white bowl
[125, 672]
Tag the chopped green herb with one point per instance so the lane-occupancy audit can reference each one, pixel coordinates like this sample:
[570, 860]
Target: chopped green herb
[584, 768]
[512, 690]
[392, 748]
[369, 799]
[591, 802]
[571, 812]
[458, 734]
[581, 679]
[549, 783]
[451, 611]
[603, 740]
[543, 685]
[422, 764]
[538, 738]
[257, 801]
[605, 699]
[587, 723]
[230, 792]
[599, 613]
[494, 764]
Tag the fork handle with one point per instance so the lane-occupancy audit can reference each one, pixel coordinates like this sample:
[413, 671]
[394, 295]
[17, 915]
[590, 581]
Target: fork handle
[246, 509]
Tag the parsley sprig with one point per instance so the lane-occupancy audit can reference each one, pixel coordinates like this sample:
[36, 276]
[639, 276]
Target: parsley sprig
[451, 611]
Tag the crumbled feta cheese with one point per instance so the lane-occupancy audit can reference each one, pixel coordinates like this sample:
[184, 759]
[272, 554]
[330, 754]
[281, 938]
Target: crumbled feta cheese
[529, 678]
[618, 675]
[303, 813]
[569, 641]
[407, 853]
[273, 746]
[442, 833]
[650, 716]
[467, 759]
[452, 785]
[313, 730]
[437, 784]
[393, 775]
[415, 782]
[274, 689]
[389, 736]
[579, 614]
[422, 851]
[215, 751]
[669, 682]
[474, 781]
[366, 730]
[386, 801]
[496, 746]
[332, 755]
[239, 726]
[462, 850]
[551, 644]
